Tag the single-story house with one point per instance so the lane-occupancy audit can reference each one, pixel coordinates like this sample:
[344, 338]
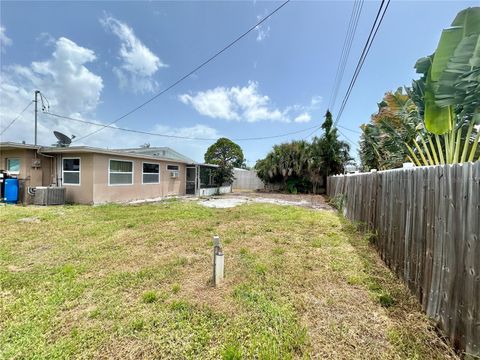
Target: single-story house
[94, 175]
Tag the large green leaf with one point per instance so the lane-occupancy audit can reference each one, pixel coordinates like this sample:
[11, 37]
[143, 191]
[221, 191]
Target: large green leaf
[460, 78]
[450, 64]
[469, 20]
[446, 47]
[438, 120]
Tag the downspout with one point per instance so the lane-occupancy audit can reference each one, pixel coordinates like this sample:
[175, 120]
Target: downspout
[50, 156]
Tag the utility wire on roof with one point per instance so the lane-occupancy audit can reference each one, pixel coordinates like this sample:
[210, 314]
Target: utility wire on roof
[373, 32]
[176, 136]
[192, 71]
[18, 117]
[347, 45]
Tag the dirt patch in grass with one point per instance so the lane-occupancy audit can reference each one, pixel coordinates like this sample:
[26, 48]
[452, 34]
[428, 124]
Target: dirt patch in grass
[133, 281]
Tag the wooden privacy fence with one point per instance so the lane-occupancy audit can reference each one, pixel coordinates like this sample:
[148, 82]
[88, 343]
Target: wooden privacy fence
[427, 226]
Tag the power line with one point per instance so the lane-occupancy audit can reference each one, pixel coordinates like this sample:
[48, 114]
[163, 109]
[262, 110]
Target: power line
[351, 130]
[347, 45]
[313, 132]
[18, 117]
[175, 136]
[373, 32]
[346, 137]
[192, 71]
[343, 127]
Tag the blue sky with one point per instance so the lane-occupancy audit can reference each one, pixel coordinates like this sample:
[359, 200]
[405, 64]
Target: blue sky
[98, 60]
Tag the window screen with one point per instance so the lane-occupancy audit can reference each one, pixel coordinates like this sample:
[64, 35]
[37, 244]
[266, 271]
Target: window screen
[151, 173]
[120, 172]
[71, 164]
[13, 165]
[71, 171]
[172, 167]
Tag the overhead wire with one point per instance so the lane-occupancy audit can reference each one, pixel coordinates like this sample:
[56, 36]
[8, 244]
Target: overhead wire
[175, 136]
[371, 37]
[346, 137]
[351, 130]
[347, 46]
[18, 117]
[198, 67]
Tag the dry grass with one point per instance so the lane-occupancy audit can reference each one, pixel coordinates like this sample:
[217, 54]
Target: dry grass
[133, 282]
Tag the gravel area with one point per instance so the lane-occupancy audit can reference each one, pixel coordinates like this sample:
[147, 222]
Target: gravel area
[317, 202]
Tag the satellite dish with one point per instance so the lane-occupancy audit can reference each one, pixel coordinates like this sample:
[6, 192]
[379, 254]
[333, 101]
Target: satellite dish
[63, 140]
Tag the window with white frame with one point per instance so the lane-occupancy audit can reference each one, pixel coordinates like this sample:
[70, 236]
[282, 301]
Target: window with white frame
[174, 170]
[151, 173]
[13, 166]
[71, 171]
[120, 172]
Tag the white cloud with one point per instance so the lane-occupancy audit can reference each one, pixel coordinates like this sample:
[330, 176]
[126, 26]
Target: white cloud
[235, 103]
[4, 39]
[73, 90]
[315, 101]
[138, 63]
[46, 39]
[303, 118]
[246, 104]
[216, 103]
[70, 87]
[196, 131]
[263, 30]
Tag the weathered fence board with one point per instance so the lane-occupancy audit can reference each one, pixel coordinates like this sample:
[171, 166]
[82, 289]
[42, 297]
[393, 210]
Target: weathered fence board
[427, 226]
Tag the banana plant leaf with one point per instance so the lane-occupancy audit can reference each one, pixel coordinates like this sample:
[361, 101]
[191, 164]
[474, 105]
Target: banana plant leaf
[451, 60]
[438, 120]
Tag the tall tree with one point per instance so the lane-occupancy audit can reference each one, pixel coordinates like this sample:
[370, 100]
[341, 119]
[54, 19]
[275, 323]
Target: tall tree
[225, 152]
[227, 155]
[328, 151]
[382, 144]
[286, 164]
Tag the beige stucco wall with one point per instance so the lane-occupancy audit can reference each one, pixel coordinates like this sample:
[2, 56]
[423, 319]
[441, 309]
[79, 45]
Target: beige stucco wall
[83, 193]
[93, 187]
[102, 192]
[29, 176]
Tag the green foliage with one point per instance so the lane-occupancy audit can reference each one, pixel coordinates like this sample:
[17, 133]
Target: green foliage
[301, 166]
[451, 89]
[338, 202]
[291, 186]
[386, 300]
[329, 154]
[382, 143]
[232, 352]
[149, 297]
[440, 127]
[72, 285]
[224, 152]
[176, 288]
[227, 155]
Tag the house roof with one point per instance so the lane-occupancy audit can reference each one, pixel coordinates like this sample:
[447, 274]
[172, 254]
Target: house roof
[7, 145]
[88, 149]
[160, 151]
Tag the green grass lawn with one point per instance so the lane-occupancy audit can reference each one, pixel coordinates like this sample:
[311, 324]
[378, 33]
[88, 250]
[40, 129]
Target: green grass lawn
[134, 282]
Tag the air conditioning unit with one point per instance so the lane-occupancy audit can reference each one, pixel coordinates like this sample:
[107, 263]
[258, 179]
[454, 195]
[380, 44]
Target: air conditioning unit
[174, 174]
[49, 195]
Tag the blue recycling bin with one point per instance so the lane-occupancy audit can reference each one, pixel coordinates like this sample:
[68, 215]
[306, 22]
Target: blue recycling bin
[11, 191]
